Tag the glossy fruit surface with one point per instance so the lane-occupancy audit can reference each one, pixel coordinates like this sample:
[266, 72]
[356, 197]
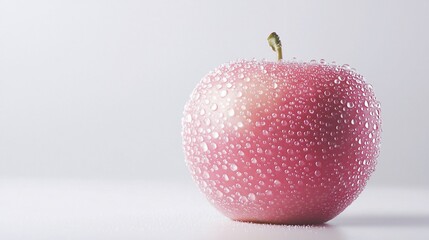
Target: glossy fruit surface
[281, 142]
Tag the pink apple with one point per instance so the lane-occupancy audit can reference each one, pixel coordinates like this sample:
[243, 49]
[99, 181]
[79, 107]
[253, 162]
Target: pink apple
[281, 142]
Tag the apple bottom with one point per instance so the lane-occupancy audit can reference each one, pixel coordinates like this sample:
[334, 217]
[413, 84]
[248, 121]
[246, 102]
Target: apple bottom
[314, 209]
[270, 217]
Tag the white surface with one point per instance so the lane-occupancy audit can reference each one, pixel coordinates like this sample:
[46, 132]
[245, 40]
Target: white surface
[77, 209]
[96, 89]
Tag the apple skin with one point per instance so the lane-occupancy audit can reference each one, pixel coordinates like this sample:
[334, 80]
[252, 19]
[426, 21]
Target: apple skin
[281, 142]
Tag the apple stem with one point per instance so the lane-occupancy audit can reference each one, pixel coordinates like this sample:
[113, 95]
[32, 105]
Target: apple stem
[275, 44]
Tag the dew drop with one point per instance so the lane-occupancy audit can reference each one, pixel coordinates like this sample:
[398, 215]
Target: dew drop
[204, 146]
[366, 103]
[197, 96]
[251, 196]
[188, 118]
[223, 93]
[215, 134]
[207, 121]
[231, 112]
[225, 177]
[233, 167]
[214, 107]
[317, 173]
[308, 157]
[350, 104]
[277, 182]
[243, 199]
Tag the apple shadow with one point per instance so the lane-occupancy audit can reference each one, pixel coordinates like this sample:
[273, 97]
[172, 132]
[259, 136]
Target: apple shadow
[385, 221]
[230, 229]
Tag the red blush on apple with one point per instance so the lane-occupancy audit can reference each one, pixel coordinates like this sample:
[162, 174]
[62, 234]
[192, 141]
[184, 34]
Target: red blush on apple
[281, 142]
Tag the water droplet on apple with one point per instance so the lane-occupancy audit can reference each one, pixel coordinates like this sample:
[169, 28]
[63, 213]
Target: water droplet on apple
[225, 177]
[251, 196]
[204, 146]
[243, 199]
[188, 118]
[215, 134]
[231, 112]
[275, 85]
[366, 103]
[233, 167]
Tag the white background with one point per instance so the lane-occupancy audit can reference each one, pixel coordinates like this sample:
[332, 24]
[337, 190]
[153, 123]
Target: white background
[94, 90]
